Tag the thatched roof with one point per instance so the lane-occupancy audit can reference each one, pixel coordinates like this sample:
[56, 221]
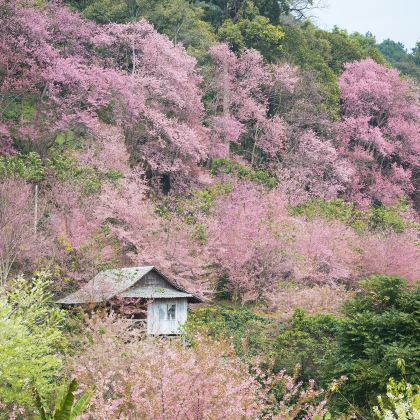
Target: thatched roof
[126, 282]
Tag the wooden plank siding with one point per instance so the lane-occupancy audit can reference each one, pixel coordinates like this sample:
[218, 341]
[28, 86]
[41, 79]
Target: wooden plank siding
[158, 322]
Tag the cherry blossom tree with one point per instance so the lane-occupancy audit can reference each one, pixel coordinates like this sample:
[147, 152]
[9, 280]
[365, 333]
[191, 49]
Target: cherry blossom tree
[242, 240]
[379, 132]
[75, 73]
[70, 218]
[328, 253]
[162, 118]
[312, 167]
[161, 379]
[241, 102]
[16, 224]
[149, 378]
[392, 254]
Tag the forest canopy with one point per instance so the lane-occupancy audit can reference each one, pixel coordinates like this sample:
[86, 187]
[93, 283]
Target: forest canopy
[266, 165]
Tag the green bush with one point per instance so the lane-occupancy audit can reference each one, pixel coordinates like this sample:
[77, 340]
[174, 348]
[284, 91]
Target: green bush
[380, 325]
[306, 341]
[28, 167]
[375, 218]
[66, 168]
[199, 202]
[402, 400]
[226, 166]
[251, 334]
[32, 340]
[19, 109]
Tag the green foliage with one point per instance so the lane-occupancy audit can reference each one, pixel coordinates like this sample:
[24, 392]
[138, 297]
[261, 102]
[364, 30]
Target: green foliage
[105, 11]
[393, 51]
[66, 168]
[345, 48]
[397, 56]
[200, 202]
[251, 334]
[114, 175]
[31, 340]
[385, 218]
[222, 289]
[302, 47]
[106, 113]
[306, 341]
[18, 109]
[402, 400]
[253, 32]
[200, 233]
[380, 325]
[218, 11]
[181, 20]
[28, 167]
[226, 166]
[67, 139]
[66, 407]
[203, 200]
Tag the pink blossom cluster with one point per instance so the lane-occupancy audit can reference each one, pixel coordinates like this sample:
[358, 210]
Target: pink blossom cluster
[242, 85]
[379, 133]
[259, 245]
[138, 377]
[74, 70]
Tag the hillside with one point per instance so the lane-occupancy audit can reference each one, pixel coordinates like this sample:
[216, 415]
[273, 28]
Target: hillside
[263, 163]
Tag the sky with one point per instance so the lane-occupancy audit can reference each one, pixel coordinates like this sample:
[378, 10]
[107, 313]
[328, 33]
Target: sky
[398, 20]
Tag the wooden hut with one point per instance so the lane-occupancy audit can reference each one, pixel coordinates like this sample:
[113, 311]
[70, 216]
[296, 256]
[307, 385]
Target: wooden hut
[138, 292]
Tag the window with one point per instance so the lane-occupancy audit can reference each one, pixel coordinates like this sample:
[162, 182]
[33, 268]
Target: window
[162, 312]
[171, 311]
[167, 312]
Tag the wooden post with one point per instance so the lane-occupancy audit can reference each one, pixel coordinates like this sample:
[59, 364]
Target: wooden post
[35, 208]
[134, 58]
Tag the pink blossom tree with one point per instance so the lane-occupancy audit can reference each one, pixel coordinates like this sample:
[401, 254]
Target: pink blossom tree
[241, 101]
[134, 377]
[75, 73]
[379, 132]
[16, 224]
[162, 379]
[312, 167]
[392, 254]
[163, 111]
[242, 241]
[132, 219]
[328, 253]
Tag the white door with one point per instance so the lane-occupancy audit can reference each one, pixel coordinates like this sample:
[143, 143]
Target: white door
[166, 316]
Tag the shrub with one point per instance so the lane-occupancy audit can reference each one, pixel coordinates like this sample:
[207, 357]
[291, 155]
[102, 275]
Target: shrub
[379, 325]
[382, 218]
[250, 334]
[226, 166]
[402, 400]
[31, 340]
[306, 341]
[28, 167]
